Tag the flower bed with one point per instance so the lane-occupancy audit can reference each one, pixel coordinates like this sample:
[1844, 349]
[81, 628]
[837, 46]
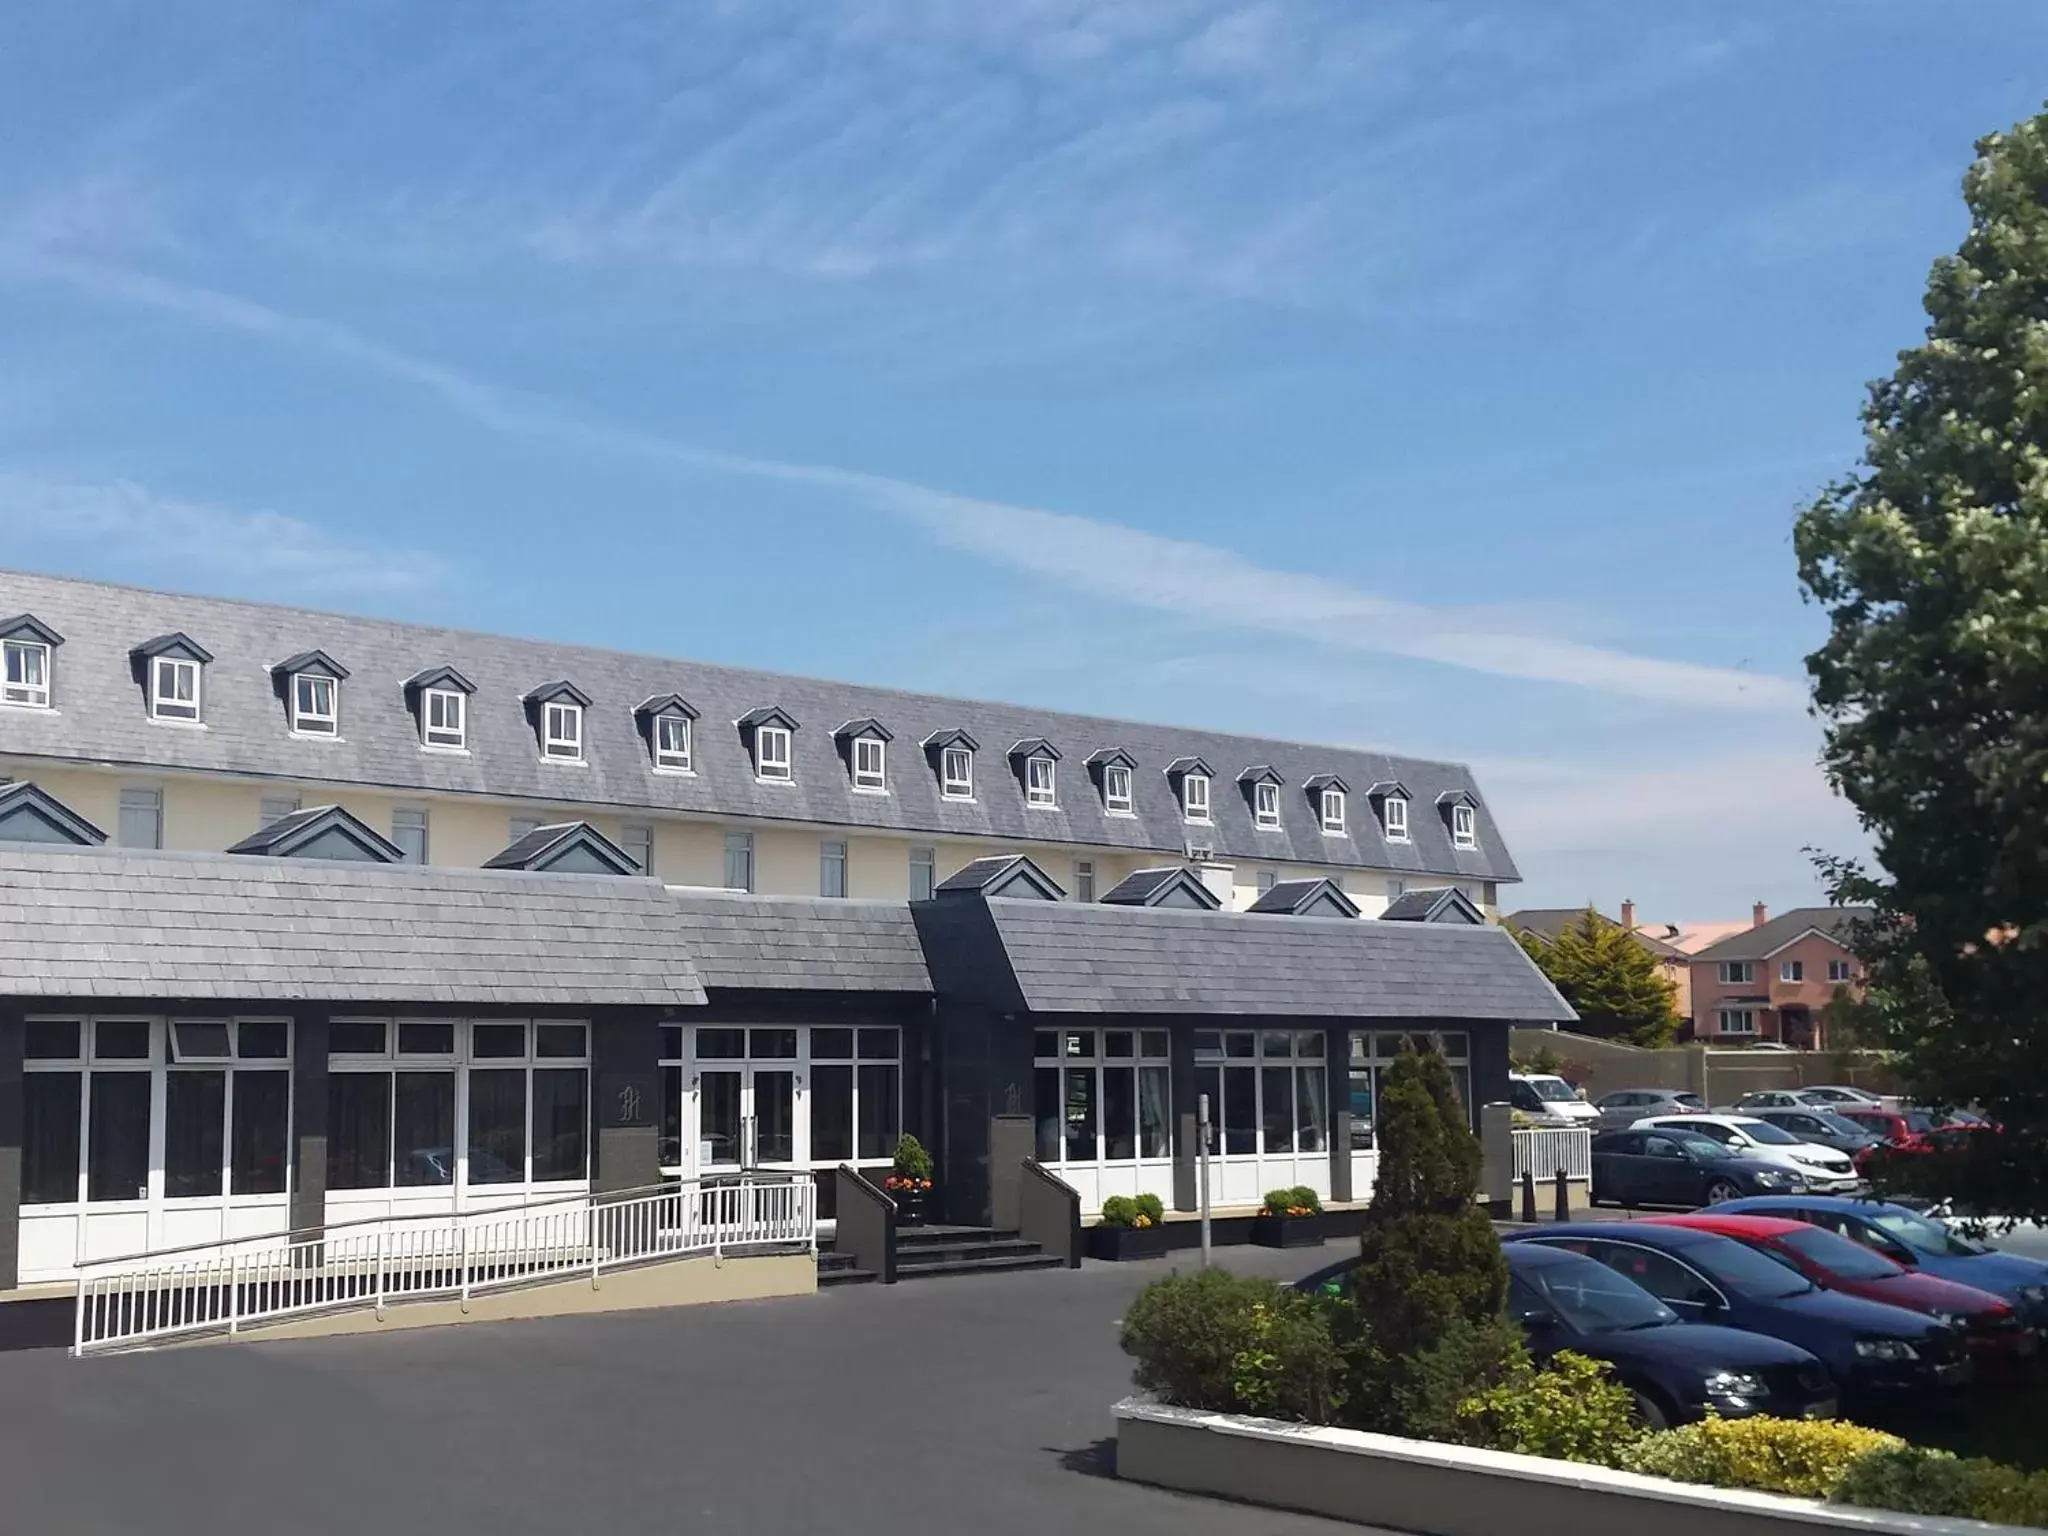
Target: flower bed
[1289, 1218]
[1130, 1228]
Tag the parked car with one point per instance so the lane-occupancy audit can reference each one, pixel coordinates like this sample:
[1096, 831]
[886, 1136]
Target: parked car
[1624, 1107]
[1675, 1167]
[1821, 1128]
[1836, 1095]
[1770, 1098]
[1906, 1126]
[1747, 1136]
[1918, 1242]
[1992, 1330]
[1541, 1093]
[1872, 1350]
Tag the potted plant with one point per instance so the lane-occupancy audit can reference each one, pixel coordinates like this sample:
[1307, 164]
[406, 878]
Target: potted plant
[1290, 1218]
[909, 1181]
[1129, 1229]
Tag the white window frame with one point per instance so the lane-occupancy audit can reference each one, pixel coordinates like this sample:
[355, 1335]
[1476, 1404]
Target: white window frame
[1333, 812]
[636, 838]
[773, 760]
[1084, 879]
[1116, 790]
[312, 721]
[1464, 827]
[871, 764]
[832, 852]
[452, 703]
[1044, 796]
[1736, 973]
[1266, 804]
[1095, 1063]
[1792, 970]
[561, 731]
[1840, 970]
[170, 706]
[18, 690]
[669, 757]
[956, 773]
[1194, 799]
[1394, 815]
[1726, 1021]
[412, 818]
[1305, 1057]
[925, 859]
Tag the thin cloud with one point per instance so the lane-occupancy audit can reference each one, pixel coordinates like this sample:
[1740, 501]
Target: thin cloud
[1098, 558]
[50, 517]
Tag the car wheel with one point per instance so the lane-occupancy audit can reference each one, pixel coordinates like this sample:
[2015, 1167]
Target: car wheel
[1651, 1412]
[1721, 1191]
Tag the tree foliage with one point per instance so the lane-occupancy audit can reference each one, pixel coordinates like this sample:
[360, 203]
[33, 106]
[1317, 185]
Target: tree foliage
[1931, 563]
[1612, 981]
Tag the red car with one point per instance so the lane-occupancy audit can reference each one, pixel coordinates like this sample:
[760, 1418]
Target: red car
[1991, 1328]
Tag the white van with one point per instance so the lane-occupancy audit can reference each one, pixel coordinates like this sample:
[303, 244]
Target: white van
[1540, 1093]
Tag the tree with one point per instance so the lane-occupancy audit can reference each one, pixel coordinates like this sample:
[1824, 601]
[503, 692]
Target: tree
[1931, 563]
[1611, 980]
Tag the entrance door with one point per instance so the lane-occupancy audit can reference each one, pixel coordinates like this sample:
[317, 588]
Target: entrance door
[746, 1118]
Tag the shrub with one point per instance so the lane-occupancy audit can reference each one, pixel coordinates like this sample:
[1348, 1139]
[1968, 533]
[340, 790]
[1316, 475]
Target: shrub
[1151, 1208]
[1298, 1201]
[1806, 1457]
[1420, 1394]
[1572, 1410]
[1917, 1481]
[1234, 1344]
[911, 1159]
[1119, 1211]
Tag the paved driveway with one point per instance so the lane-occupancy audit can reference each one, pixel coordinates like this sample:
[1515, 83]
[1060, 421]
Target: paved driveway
[977, 1404]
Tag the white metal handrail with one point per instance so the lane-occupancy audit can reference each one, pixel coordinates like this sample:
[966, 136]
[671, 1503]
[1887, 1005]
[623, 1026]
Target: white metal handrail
[227, 1286]
[1542, 1150]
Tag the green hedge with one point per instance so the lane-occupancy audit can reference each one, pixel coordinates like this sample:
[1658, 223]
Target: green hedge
[1127, 1211]
[1235, 1344]
[1298, 1201]
[1918, 1481]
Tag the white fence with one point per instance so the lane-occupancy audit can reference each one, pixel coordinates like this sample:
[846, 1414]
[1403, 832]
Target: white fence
[1542, 1150]
[224, 1287]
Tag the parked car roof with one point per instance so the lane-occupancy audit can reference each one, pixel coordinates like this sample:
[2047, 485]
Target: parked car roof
[1732, 1226]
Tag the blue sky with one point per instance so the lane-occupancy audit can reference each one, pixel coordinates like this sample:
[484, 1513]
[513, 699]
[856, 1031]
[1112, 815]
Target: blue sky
[1435, 377]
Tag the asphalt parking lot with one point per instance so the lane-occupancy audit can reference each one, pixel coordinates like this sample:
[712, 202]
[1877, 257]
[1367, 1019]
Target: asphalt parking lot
[979, 1403]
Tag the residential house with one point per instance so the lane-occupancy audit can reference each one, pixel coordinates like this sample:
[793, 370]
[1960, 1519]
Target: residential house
[1773, 980]
[1672, 962]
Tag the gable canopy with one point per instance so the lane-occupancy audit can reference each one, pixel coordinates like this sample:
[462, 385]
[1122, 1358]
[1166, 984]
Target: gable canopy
[322, 832]
[1447, 904]
[1305, 898]
[1174, 885]
[1004, 876]
[867, 725]
[26, 626]
[29, 814]
[555, 692]
[566, 848]
[438, 677]
[316, 661]
[173, 644]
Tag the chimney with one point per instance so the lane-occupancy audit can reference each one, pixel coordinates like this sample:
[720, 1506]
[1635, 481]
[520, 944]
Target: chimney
[1628, 915]
[1759, 915]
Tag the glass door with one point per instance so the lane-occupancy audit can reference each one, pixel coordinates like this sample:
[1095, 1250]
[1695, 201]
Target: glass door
[721, 1119]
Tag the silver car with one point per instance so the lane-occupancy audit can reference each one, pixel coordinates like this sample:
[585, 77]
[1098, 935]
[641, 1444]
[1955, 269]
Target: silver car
[1822, 1127]
[1624, 1107]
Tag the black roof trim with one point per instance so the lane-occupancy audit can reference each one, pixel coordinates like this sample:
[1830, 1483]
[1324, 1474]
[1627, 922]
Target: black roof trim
[1458, 797]
[1261, 773]
[561, 688]
[665, 704]
[315, 661]
[1035, 746]
[1001, 876]
[1111, 757]
[1181, 767]
[438, 677]
[283, 838]
[951, 736]
[544, 848]
[1387, 787]
[25, 798]
[1321, 781]
[1305, 898]
[767, 714]
[867, 725]
[1170, 885]
[1445, 904]
[176, 643]
[28, 624]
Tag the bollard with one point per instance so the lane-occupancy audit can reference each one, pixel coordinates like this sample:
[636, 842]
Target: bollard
[1564, 1197]
[1529, 1197]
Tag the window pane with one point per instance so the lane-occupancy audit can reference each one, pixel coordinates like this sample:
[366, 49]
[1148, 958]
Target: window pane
[1361, 1109]
[832, 1114]
[358, 1130]
[1045, 1102]
[771, 1044]
[268, 1040]
[1118, 1043]
[1209, 1081]
[1155, 1109]
[1078, 1044]
[1208, 1042]
[51, 1040]
[879, 1121]
[668, 1144]
[1312, 1106]
[1453, 1045]
[121, 1040]
[426, 1037]
[560, 1040]
[721, 1044]
[1240, 1111]
[560, 1117]
[1045, 1044]
[194, 1106]
[1277, 1046]
[1239, 1043]
[671, 1042]
[1119, 1113]
[49, 1137]
[1153, 1044]
[1308, 1046]
[261, 1153]
[1078, 1115]
[423, 1129]
[497, 1127]
[497, 1041]
[1277, 1085]
[117, 1158]
[878, 1045]
[355, 1037]
[832, 1044]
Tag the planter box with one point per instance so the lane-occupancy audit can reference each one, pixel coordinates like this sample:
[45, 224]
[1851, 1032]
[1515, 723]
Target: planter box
[1453, 1490]
[1287, 1231]
[1121, 1243]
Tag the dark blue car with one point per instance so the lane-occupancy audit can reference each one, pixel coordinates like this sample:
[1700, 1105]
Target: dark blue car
[1870, 1349]
[1916, 1242]
[1677, 1370]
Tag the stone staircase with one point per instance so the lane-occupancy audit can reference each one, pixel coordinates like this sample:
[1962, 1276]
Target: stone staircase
[943, 1250]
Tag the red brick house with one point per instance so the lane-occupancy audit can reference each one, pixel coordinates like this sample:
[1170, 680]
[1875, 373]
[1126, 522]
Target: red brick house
[1774, 979]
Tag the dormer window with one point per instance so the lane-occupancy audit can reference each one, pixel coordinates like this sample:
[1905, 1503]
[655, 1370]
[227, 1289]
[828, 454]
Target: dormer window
[1394, 815]
[1333, 811]
[672, 742]
[316, 709]
[1190, 777]
[666, 728]
[444, 718]
[27, 649]
[1116, 789]
[1464, 827]
[1038, 782]
[870, 763]
[1266, 804]
[769, 734]
[956, 773]
[174, 689]
[561, 731]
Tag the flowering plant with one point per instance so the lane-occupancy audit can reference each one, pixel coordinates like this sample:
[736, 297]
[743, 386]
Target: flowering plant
[896, 1184]
[1298, 1201]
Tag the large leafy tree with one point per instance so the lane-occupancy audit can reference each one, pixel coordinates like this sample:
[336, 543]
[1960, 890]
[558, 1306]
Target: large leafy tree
[1611, 980]
[1931, 563]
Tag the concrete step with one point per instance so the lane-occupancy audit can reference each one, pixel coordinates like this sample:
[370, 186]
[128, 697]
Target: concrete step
[979, 1266]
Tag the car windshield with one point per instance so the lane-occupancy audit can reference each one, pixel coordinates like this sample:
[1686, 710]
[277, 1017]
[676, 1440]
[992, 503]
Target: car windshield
[1690, 1100]
[1552, 1090]
[1918, 1121]
[1700, 1148]
[1924, 1236]
[1839, 1124]
[1594, 1299]
[1749, 1273]
[1838, 1255]
[1765, 1134]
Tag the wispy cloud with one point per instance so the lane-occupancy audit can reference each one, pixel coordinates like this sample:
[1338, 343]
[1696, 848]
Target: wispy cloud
[1102, 559]
[57, 518]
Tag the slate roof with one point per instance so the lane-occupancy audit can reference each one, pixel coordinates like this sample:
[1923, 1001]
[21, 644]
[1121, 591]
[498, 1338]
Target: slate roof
[1071, 958]
[808, 943]
[1295, 896]
[117, 923]
[1429, 905]
[1549, 922]
[1760, 943]
[99, 717]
